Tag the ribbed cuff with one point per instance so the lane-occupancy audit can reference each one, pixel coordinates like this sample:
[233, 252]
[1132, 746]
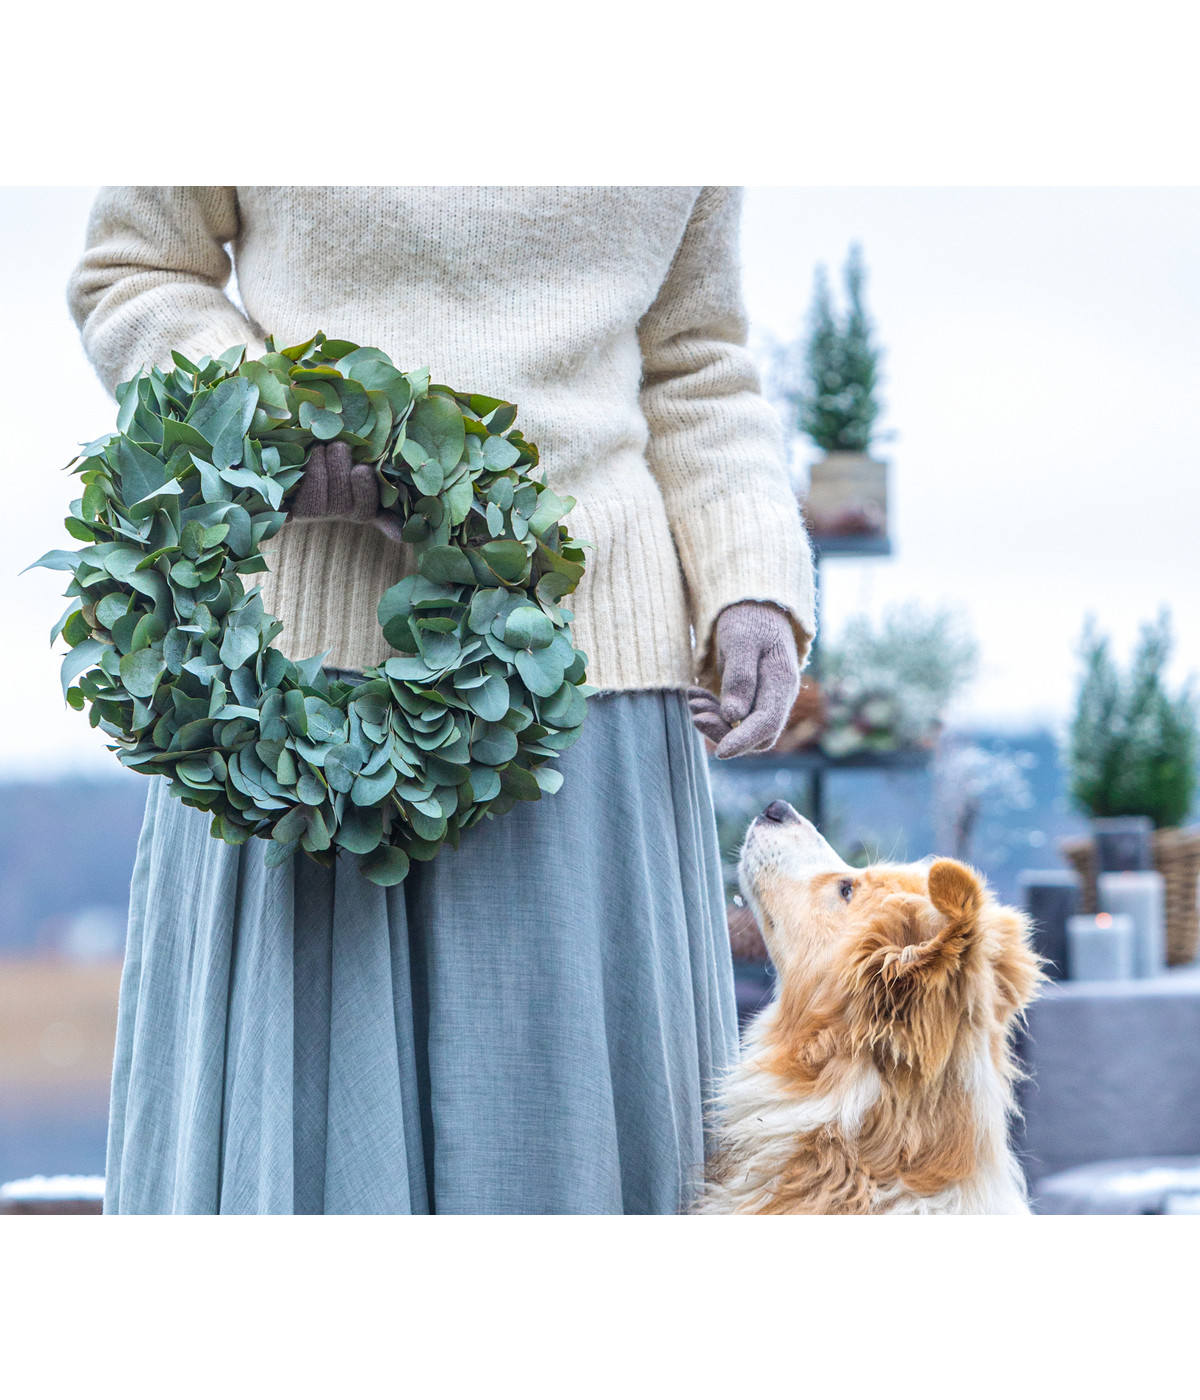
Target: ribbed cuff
[758, 552]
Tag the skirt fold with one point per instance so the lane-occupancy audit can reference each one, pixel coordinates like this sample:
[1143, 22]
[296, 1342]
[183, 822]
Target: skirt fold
[256, 1136]
[366, 1163]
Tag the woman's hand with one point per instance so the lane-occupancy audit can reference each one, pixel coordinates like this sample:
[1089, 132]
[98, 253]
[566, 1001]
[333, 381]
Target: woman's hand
[335, 487]
[760, 678]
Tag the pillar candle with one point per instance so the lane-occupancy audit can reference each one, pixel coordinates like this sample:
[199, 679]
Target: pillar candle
[1050, 897]
[1141, 895]
[1099, 947]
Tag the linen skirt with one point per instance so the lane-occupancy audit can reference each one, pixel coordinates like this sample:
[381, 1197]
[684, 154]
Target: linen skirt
[531, 1024]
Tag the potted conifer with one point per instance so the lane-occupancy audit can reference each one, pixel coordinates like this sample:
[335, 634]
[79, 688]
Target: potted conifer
[1132, 752]
[830, 381]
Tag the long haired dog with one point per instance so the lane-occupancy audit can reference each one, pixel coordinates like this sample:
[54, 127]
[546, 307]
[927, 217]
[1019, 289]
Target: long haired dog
[880, 1079]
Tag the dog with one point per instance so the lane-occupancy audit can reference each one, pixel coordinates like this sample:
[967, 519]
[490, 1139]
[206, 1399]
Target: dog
[880, 1079]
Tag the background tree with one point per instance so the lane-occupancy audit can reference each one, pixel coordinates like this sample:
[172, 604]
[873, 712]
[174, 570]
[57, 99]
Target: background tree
[1132, 748]
[829, 378]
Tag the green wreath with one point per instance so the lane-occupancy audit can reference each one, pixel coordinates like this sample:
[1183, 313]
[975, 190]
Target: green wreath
[173, 652]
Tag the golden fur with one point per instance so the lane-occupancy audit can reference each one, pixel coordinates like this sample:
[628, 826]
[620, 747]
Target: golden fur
[880, 1079]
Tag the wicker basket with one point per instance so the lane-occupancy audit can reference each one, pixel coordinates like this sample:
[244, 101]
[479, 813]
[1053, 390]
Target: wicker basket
[1177, 860]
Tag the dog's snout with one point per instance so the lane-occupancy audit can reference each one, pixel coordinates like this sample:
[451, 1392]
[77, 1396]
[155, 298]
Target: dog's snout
[781, 812]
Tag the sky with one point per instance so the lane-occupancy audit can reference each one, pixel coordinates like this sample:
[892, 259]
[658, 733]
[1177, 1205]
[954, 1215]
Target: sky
[1041, 380]
[1042, 377]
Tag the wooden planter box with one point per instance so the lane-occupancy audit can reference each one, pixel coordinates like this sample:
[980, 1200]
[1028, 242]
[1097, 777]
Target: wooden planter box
[847, 497]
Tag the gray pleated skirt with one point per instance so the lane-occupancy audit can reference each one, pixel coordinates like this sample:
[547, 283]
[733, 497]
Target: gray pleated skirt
[530, 1024]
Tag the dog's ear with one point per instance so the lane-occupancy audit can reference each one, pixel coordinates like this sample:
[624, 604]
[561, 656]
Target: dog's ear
[956, 893]
[955, 890]
[904, 970]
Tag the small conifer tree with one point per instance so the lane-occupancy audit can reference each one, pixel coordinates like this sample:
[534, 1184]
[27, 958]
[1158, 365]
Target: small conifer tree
[1133, 748]
[829, 379]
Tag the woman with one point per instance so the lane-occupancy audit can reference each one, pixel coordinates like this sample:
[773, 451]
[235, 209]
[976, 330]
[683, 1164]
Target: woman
[530, 1023]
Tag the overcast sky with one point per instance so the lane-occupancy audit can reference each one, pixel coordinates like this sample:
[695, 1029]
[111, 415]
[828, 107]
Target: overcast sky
[1042, 372]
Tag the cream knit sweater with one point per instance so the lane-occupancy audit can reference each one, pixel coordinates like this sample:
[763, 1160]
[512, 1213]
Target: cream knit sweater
[612, 316]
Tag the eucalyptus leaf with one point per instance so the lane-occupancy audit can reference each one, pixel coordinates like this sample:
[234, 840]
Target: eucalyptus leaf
[507, 559]
[56, 559]
[238, 646]
[222, 419]
[111, 607]
[485, 783]
[495, 744]
[361, 829]
[140, 671]
[388, 865]
[500, 453]
[446, 564]
[438, 426]
[548, 779]
[528, 627]
[519, 783]
[541, 671]
[79, 659]
[142, 474]
[491, 700]
[368, 791]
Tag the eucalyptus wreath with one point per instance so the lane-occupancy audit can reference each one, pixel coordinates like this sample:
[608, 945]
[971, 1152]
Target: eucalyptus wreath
[172, 652]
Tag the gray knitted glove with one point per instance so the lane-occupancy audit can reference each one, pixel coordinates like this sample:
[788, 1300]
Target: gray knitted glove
[760, 678]
[335, 487]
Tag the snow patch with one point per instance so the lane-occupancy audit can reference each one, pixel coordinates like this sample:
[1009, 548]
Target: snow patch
[54, 1188]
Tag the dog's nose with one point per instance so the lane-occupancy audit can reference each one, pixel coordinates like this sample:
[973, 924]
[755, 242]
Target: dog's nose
[781, 812]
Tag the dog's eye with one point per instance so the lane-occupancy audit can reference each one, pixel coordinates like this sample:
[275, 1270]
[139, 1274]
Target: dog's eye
[846, 889]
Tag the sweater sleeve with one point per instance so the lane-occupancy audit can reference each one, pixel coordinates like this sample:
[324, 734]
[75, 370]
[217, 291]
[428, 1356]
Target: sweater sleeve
[152, 278]
[716, 444]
